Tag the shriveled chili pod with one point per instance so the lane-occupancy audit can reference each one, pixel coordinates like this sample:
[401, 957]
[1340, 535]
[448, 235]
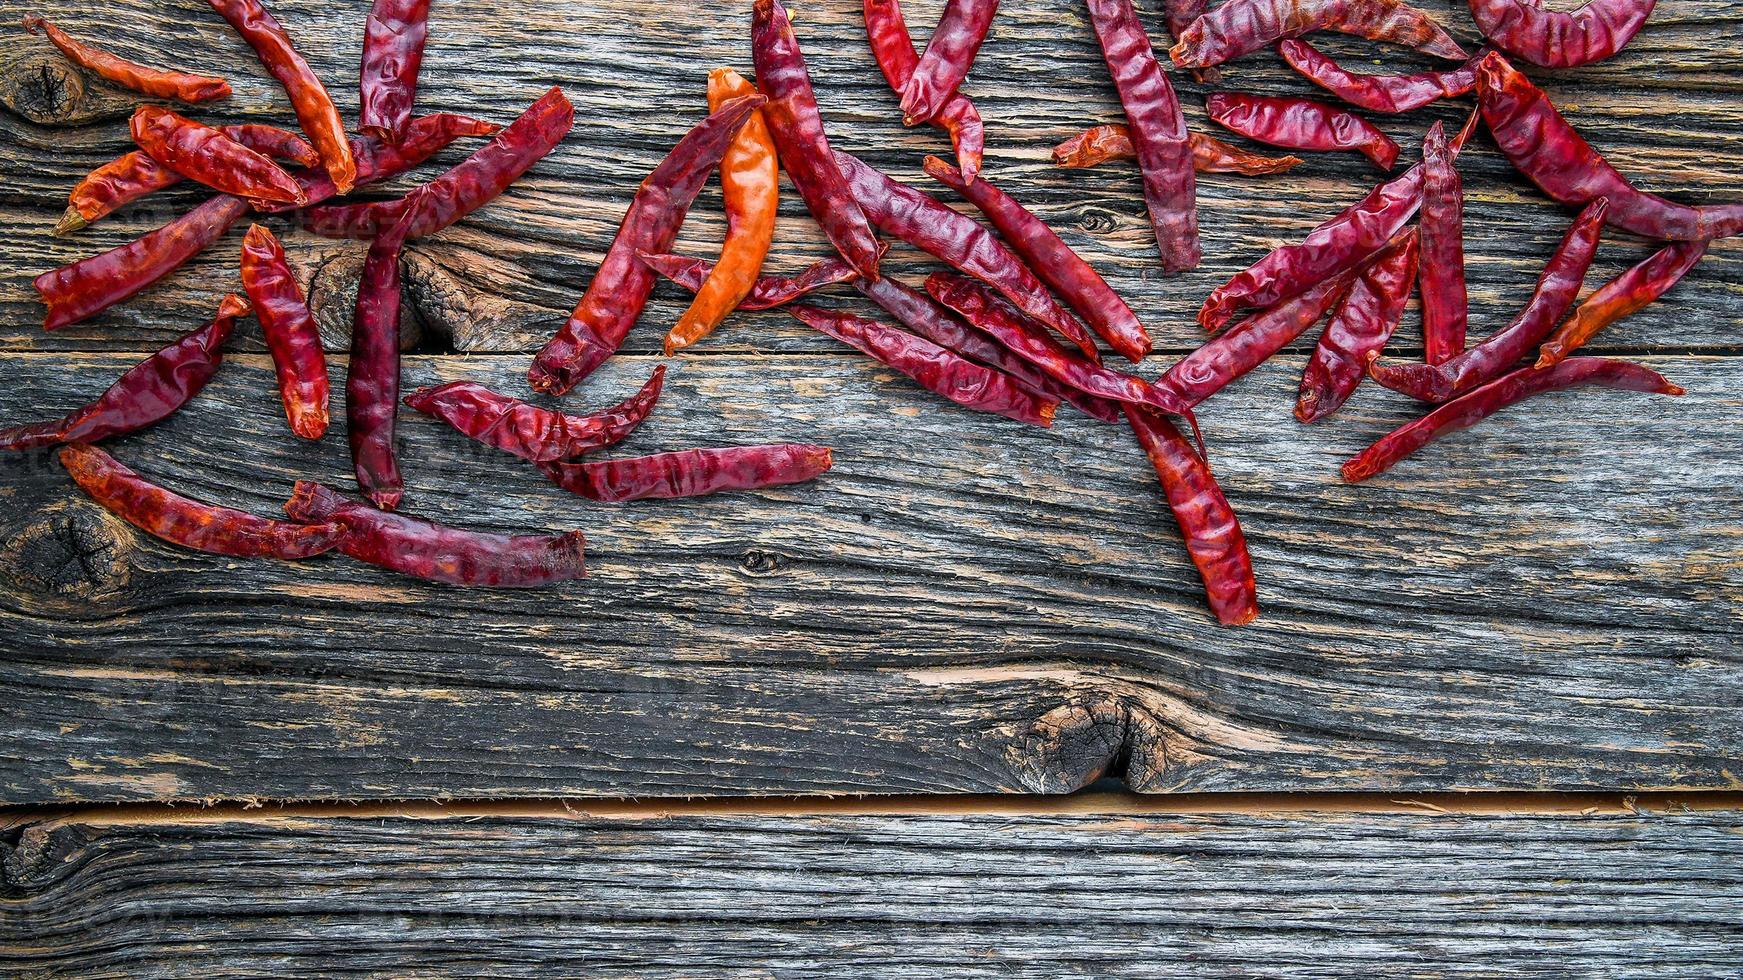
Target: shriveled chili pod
[372, 375]
[530, 432]
[1360, 326]
[393, 53]
[620, 287]
[1099, 144]
[1239, 27]
[1445, 305]
[1248, 344]
[1390, 94]
[797, 128]
[1300, 124]
[180, 520]
[291, 334]
[1480, 403]
[1620, 297]
[158, 83]
[1213, 534]
[438, 553]
[1179, 15]
[766, 292]
[199, 152]
[949, 55]
[691, 472]
[148, 393]
[378, 159]
[1554, 39]
[893, 47]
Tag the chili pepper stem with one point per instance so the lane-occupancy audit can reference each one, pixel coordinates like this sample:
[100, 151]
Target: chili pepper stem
[71, 221]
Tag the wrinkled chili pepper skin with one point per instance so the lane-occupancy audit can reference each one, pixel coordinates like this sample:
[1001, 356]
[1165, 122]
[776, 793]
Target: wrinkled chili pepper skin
[797, 128]
[1099, 144]
[1552, 39]
[1300, 124]
[766, 292]
[438, 553]
[1240, 27]
[1158, 131]
[204, 154]
[1445, 304]
[372, 375]
[530, 432]
[1359, 328]
[1476, 405]
[1179, 14]
[1213, 534]
[314, 108]
[1551, 154]
[1621, 297]
[148, 393]
[393, 53]
[291, 334]
[1556, 288]
[155, 82]
[1390, 94]
[621, 285]
[691, 472]
[893, 47]
[190, 523]
[1248, 344]
[949, 55]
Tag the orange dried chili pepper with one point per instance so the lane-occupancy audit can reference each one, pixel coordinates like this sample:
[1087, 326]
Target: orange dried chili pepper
[156, 82]
[1113, 141]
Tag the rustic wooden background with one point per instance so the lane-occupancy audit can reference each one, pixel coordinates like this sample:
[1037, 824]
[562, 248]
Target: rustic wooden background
[963, 605]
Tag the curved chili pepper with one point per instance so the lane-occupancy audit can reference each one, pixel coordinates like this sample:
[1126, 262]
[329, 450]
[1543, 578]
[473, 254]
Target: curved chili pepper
[1542, 146]
[531, 432]
[893, 47]
[1552, 39]
[190, 523]
[314, 108]
[620, 287]
[1179, 15]
[1248, 344]
[691, 472]
[1300, 124]
[1158, 131]
[1390, 94]
[1622, 296]
[291, 334]
[1358, 329]
[148, 393]
[155, 82]
[378, 159]
[797, 128]
[1099, 144]
[1474, 406]
[1556, 288]
[949, 56]
[1213, 534]
[923, 222]
[936, 369]
[372, 376]
[393, 52]
[438, 553]
[766, 292]
[1445, 305]
[1240, 27]
[201, 153]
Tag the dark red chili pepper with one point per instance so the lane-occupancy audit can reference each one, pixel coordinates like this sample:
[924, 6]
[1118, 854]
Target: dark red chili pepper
[1213, 534]
[1621, 297]
[691, 472]
[201, 153]
[1474, 406]
[1445, 306]
[620, 287]
[1390, 94]
[378, 160]
[291, 334]
[393, 52]
[372, 377]
[190, 523]
[1359, 327]
[768, 292]
[1543, 147]
[1099, 144]
[937, 369]
[155, 82]
[923, 222]
[438, 553]
[1552, 39]
[1248, 344]
[893, 47]
[1158, 131]
[1240, 27]
[797, 127]
[1300, 124]
[1556, 288]
[531, 432]
[949, 55]
[149, 393]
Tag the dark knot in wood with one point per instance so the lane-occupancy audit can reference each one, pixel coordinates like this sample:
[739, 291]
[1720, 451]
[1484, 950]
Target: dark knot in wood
[332, 295]
[34, 858]
[71, 549]
[36, 82]
[1098, 221]
[758, 562]
[1074, 745]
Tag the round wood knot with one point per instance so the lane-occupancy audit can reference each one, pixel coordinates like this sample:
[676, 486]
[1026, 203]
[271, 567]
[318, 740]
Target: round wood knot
[36, 82]
[332, 293]
[35, 858]
[756, 561]
[1098, 221]
[70, 549]
[1079, 742]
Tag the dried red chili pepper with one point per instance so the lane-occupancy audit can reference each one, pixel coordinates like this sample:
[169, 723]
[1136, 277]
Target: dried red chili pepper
[1552, 39]
[1248, 344]
[291, 334]
[1300, 124]
[190, 523]
[1099, 144]
[1445, 305]
[949, 56]
[155, 82]
[893, 47]
[1179, 15]
[199, 152]
[438, 553]
[1556, 288]
[766, 292]
[1213, 534]
[377, 159]
[1158, 131]
[935, 368]
[148, 393]
[1621, 297]
[314, 108]
[531, 432]
[1390, 94]
[1240, 27]
[372, 376]
[1474, 406]
[1359, 327]
[393, 52]
[691, 472]
[1542, 146]
[797, 128]
[620, 287]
